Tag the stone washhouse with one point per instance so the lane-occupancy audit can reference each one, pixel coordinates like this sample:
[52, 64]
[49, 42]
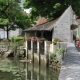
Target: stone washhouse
[59, 28]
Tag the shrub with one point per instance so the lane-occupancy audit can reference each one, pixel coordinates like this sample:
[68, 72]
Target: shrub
[52, 56]
[61, 50]
[17, 38]
[56, 40]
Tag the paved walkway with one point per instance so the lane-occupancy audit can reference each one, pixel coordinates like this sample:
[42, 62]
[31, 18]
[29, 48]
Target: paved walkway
[70, 69]
[78, 48]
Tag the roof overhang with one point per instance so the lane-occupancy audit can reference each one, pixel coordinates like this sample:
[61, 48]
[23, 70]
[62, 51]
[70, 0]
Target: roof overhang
[48, 26]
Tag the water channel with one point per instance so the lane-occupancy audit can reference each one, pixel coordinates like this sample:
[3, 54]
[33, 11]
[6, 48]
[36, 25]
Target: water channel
[13, 69]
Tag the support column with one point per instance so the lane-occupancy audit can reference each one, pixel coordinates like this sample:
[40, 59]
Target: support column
[46, 52]
[26, 48]
[32, 54]
[26, 71]
[54, 46]
[38, 52]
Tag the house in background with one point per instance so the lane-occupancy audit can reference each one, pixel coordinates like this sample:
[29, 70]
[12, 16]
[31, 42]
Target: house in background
[43, 30]
[16, 32]
[59, 28]
[3, 34]
[63, 28]
[41, 20]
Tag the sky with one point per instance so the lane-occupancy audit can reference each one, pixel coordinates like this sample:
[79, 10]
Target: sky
[27, 10]
[21, 4]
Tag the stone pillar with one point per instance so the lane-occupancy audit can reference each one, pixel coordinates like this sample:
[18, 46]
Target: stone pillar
[32, 54]
[26, 47]
[38, 51]
[54, 46]
[46, 51]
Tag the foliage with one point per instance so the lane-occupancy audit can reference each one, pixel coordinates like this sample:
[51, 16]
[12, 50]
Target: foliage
[17, 38]
[61, 50]
[41, 38]
[51, 8]
[3, 22]
[35, 39]
[15, 45]
[12, 69]
[52, 55]
[12, 16]
[17, 41]
[56, 40]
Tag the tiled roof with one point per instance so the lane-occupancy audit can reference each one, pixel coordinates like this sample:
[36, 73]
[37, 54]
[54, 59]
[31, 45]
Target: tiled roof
[48, 26]
[41, 20]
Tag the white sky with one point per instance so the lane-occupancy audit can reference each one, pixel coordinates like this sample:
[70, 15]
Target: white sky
[21, 4]
[27, 10]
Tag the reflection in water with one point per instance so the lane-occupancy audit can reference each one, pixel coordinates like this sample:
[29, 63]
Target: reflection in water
[12, 69]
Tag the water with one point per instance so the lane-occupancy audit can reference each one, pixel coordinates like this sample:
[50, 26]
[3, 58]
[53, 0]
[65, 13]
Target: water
[12, 69]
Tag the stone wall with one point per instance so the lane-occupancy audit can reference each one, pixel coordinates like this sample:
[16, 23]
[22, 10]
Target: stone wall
[62, 26]
[55, 64]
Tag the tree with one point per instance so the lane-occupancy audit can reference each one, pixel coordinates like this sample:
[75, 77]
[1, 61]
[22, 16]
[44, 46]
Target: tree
[12, 16]
[51, 8]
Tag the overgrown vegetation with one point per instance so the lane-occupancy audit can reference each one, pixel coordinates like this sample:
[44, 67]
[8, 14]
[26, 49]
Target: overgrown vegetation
[61, 50]
[17, 38]
[17, 41]
[52, 55]
[56, 40]
[51, 9]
